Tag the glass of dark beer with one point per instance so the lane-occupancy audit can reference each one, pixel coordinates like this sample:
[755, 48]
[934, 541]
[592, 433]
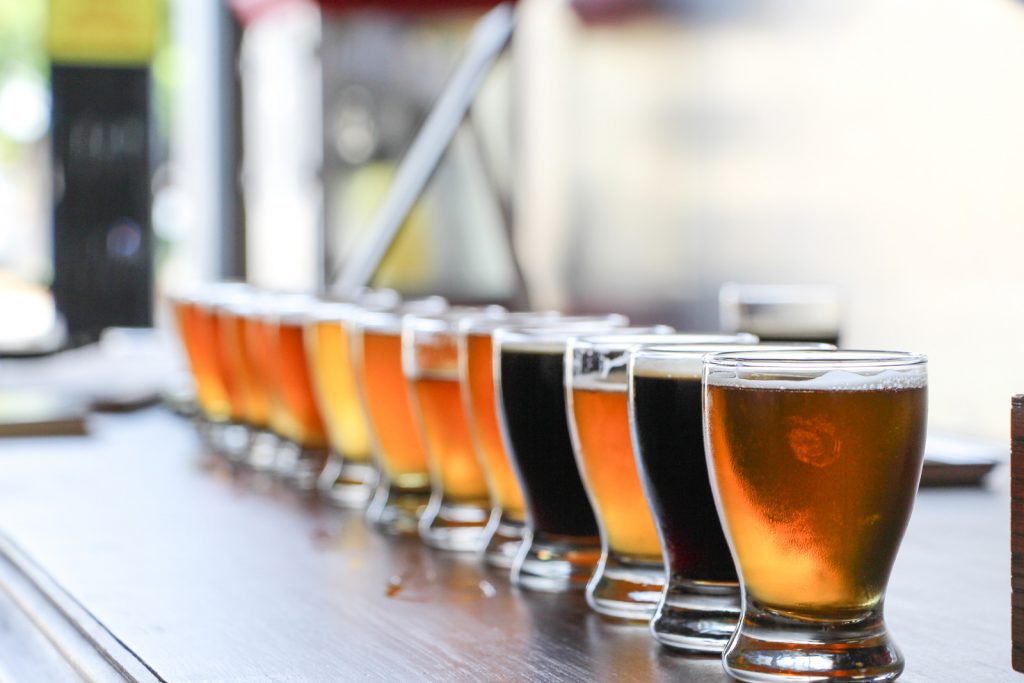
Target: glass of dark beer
[699, 607]
[629, 579]
[562, 546]
[505, 531]
[815, 458]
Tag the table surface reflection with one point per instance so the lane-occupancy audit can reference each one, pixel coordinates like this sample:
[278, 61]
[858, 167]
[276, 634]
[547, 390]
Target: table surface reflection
[210, 575]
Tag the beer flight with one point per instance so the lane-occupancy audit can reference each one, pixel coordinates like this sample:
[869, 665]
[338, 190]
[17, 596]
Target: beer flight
[741, 497]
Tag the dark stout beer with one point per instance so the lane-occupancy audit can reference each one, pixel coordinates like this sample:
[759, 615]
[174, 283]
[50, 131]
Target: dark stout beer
[670, 452]
[533, 406]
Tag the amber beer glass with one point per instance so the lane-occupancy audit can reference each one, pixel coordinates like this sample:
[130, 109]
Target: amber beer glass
[304, 452]
[629, 579]
[562, 546]
[700, 604]
[505, 531]
[460, 507]
[815, 458]
[349, 475]
[403, 489]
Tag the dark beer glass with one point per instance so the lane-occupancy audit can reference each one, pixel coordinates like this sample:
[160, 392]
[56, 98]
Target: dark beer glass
[504, 533]
[815, 458]
[562, 546]
[698, 609]
[629, 579]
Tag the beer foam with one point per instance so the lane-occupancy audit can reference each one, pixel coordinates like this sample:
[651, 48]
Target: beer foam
[834, 380]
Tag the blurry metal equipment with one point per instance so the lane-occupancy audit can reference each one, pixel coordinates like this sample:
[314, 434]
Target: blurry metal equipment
[489, 39]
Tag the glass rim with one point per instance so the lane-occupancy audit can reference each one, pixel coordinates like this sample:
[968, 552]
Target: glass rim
[815, 359]
[449, 320]
[480, 325]
[626, 342]
[555, 338]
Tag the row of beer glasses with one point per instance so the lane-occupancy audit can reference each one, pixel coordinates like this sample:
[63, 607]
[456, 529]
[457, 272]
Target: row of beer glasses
[572, 452]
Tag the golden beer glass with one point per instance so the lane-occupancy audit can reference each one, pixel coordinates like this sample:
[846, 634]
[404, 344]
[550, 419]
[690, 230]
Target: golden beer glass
[815, 459]
[460, 507]
[629, 579]
[348, 477]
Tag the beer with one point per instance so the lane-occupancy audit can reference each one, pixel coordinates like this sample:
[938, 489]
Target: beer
[670, 450]
[235, 335]
[816, 486]
[453, 464]
[211, 392]
[479, 377]
[402, 451]
[260, 336]
[333, 375]
[815, 458]
[296, 387]
[534, 414]
[229, 355]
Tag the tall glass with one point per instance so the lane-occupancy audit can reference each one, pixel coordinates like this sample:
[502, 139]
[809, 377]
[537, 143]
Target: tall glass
[815, 458]
[505, 531]
[562, 545]
[699, 607]
[460, 507]
[348, 478]
[629, 579]
[403, 489]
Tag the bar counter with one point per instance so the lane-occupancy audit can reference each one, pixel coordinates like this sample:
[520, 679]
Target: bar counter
[128, 556]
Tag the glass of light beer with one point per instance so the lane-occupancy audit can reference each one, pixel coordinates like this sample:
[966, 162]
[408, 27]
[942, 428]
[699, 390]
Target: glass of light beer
[403, 488]
[700, 604]
[562, 545]
[460, 506]
[349, 475]
[504, 533]
[629, 579]
[815, 458]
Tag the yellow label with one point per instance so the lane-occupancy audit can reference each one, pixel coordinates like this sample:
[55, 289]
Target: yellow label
[103, 31]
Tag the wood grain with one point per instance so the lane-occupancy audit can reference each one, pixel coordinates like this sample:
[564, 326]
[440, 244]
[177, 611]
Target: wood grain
[208, 575]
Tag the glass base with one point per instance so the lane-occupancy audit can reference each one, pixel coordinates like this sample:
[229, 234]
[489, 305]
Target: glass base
[262, 454]
[772, 646]
[395, 511]
[345, 484]
[232, 441]
[626, 589]
[300, 466]
[555, 563]
[458, 526]
[696, 617]
[504, 538]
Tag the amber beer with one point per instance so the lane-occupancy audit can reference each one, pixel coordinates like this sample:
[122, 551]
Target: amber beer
[837, 469]
[815, 458]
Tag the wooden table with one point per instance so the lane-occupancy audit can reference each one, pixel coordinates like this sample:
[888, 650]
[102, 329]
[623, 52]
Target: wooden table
[185, 573]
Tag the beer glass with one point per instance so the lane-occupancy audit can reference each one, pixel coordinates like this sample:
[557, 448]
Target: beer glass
[815, 458]
[699, 606]
[561, 547]
[630, 576]
[459, 509]
[403, 488]
[504, 533]
[349, 475]
[304, 454]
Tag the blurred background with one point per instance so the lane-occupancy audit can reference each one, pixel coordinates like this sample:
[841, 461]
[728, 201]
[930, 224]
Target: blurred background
[624, 155]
